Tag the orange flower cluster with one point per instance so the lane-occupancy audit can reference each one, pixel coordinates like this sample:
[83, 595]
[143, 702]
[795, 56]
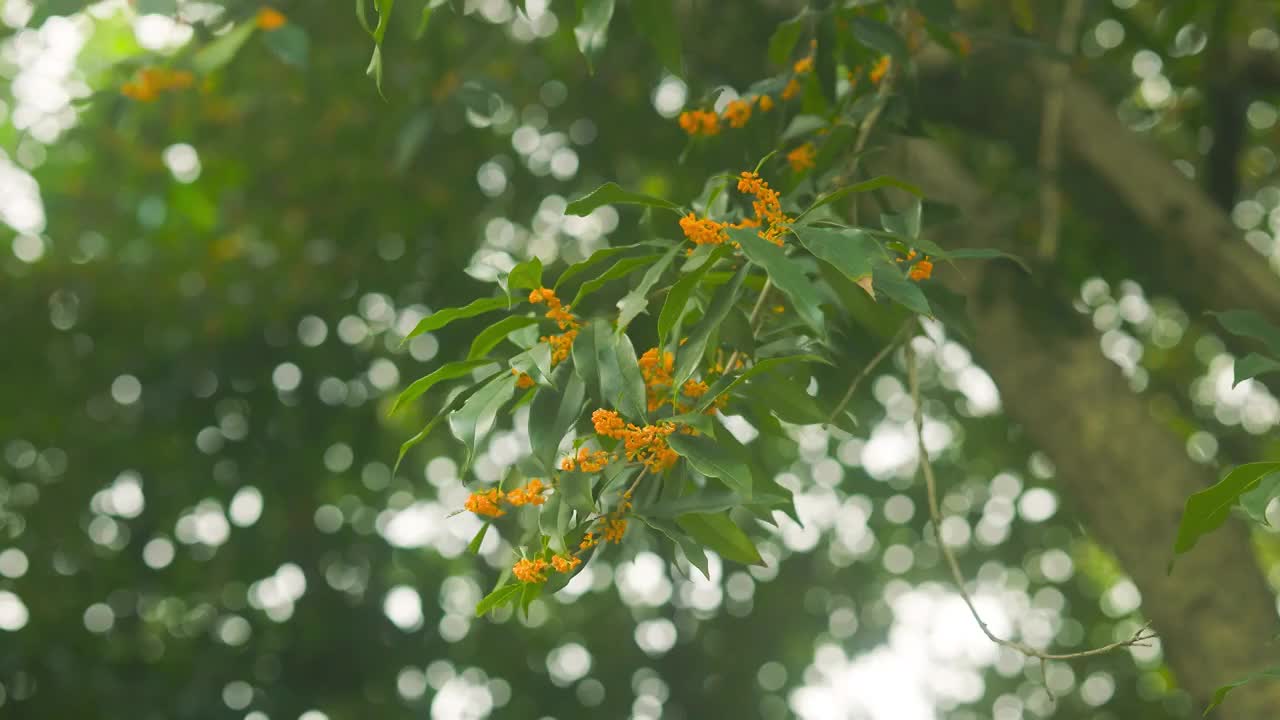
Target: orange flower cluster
[737, 112]
[523, 380]
[535, 570]
[921, 270]
[656, 368]
[704, 231]
[270, 19]
[767, 206]
[647, 445]
[560, 344]
[612, 526]
[802, 158]
[700, 122]
[880, 69]
[695, 388]
[586, 461]
[530, 494]
[487, 502]
[153, 81]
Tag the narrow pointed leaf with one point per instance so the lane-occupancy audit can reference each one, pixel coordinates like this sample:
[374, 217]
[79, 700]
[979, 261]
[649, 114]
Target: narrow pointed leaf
[440, 319]
[498, 598]
[472, 422]
[1253, 365]
[690, 354]
[622, 268]
[1208, 509]
[637, 301]
[553, 414]
[713, 460]
[693, 552]
[448, 371]
[592, 30]
[718, 532]
[678, 298]
[875, 183]
[787, 275]
[489, 338]
[849, 251]
[612, 194]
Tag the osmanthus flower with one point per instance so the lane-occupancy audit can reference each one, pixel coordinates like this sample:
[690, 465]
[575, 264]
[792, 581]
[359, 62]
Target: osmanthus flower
[792, 89]
[737, 112]
[485, 503]
[803, 66]
[880, 69]
[767, 206]
[523, 380]
[530, 571]
[565, 563]
[656, 368]
[530, 494]
[647, 445]
[695, 388]
[700, 122]
[704, 231]
[153, 81]
[586, 460]
[802, 158]
[921, 270]
[269, 18]
[562, 344]
[765, 102]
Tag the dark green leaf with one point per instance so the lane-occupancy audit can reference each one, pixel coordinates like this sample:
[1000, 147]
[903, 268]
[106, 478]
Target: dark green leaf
[536, 363]
[472, 422]
[498, 598]
[592, 29]
[489, 338]
[612, 194]
[1250, 324]
[1221, 693]
[576, 487]
[787, 275]
[441, 318]
[878, 36]
[1255, 501]
[717, 531]
[528, 595]
[690, 354]
[222, 49]
[636, 301]
[583, 265]
[984, 254]
[711, 459]
[729, 382]
[693, 552]
[527, 275]
[656, 20]
[448, 371]
[890, 281]
[426, 431]
[875, 183]
[424, 17]
[1209, 508]
[785, 398]
[673, 307]
[702, 501]
[1253, 365]
[473, 547]
[803, 125]
[784, 38]
[622, 268]
[849, 251]
[290, 43]
[621, 384]
[553, 414]
[906, 224]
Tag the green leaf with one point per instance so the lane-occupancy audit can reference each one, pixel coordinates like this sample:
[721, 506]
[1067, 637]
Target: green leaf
[718, 532]
[1250, 324]
[473, 547]
[849, 251]
[689, 355]
[448, 371]
[1221, 693]
[984, 254]
[728, 382]
[1253, 365]
[787, 275]
[803, 125]
[498, 598]
[472, 422]
[536, 363]
[576, 487]
[553, 414]
[489, 338]
[611, 194]
[290, 43]
[442, 318]
[527, 275]
[424, 17]
[875, 183]
[374, 70]
[786, 399]
[409, 444]
[890, 281]
[584, 360]
[906, 224]
[678, 298]
[621, 384]
[222, 49]
[693, 552]
[1208, 509]
[784, 38]
[530, 593]
[656, 20]
[157, 7]
[592, 29]
[583, 265]
[713, 460]
[1255, 502]
[702, 501]
[636, 301]
[701, 422]
[622, 268]
[878, 36]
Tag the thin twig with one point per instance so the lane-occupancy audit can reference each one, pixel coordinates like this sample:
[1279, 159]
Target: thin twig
[935, 518]
[1050, 151]
[871, 366]
[752, 322]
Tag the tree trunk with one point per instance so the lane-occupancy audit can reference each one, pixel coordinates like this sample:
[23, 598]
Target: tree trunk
[1124, 471]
